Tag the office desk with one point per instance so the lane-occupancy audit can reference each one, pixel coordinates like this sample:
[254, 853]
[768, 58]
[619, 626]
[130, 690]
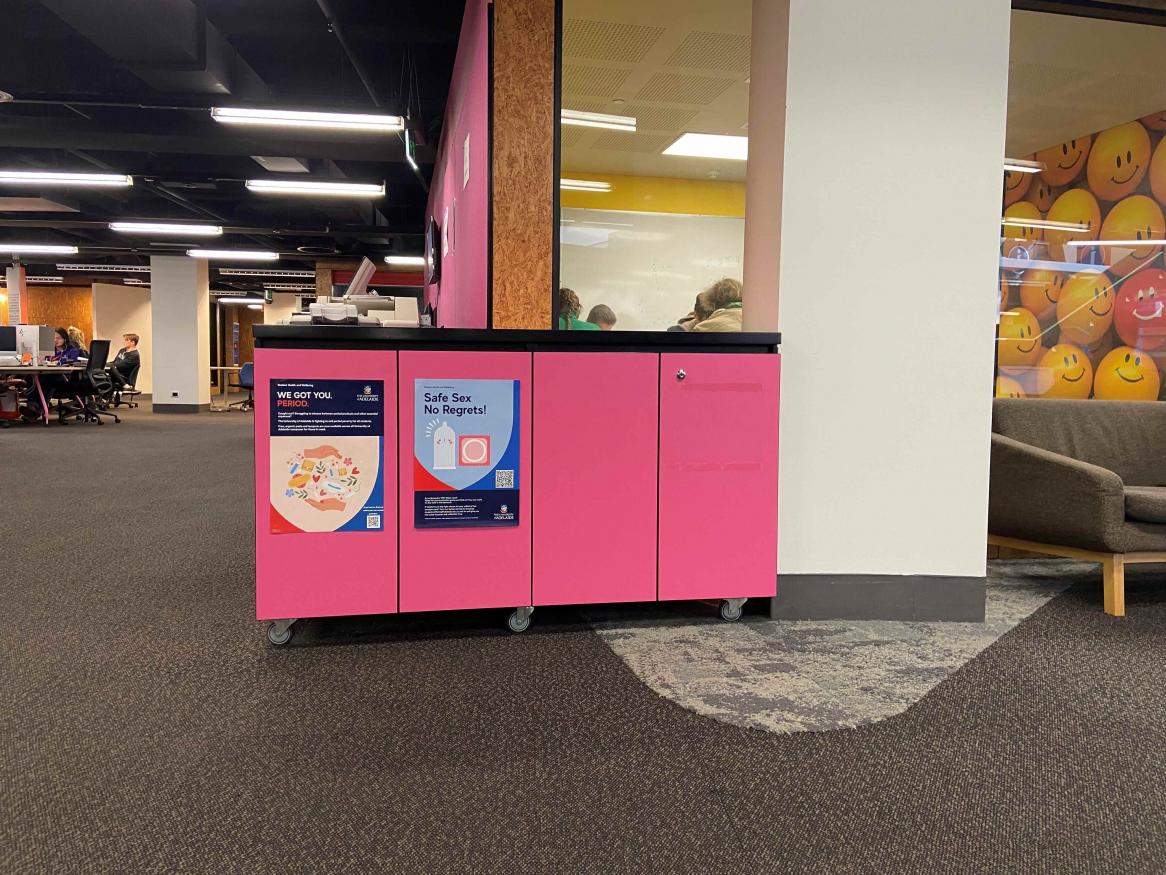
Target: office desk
[225, 386]
[35, 371]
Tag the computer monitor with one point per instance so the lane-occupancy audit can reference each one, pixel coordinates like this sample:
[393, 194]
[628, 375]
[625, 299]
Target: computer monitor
[7, 338]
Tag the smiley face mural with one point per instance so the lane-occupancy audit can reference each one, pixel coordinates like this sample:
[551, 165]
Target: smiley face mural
[1006, 387]
[1085, 308]
[1064, 163]
[1140, 312]
[1127, 374]
[1016, 186]
[1118, 160]
[1105, 296]
[1066, 372]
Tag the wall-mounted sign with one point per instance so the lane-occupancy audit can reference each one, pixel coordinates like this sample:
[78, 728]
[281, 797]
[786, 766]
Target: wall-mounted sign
[326, 445]
[465, 453]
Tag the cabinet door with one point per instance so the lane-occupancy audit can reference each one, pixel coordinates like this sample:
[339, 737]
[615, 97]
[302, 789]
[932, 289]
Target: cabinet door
[448, 564]
[338, 555]
[595, 421]
[718, 475]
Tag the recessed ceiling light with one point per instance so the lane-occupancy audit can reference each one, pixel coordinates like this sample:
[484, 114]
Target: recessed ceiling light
[280, 164]
[346, 121]
[598, 120]
[234, 254]
[254, 306]
[1023, 165]
[259, 271]
[724, 146]
[37, 249]
[307, 186]
[38, 177]
[166, 228]
[405, 260]
[583, 185]
[239, 299]
[106, 268]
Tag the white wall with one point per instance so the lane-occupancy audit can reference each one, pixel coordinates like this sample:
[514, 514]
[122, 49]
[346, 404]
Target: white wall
[890, 221]
[648, 267]
[282, 305]
[119, 310]
[180, 310]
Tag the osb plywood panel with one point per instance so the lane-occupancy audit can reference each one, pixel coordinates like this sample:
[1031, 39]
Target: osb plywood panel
[61, 305]
[524, 131]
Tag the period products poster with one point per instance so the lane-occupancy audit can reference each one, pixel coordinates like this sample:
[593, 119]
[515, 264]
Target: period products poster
[326, 450]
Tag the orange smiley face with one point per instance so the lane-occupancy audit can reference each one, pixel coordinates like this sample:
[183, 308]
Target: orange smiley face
[1065, 162]
[1042, 195]
[1066, 372]
[1079, 211]
[1040, 290]
[1018, 339]
[1158, 172]
[1006, 387]
[1134, 218]
[1118, 160]
[1155, 122]
[1127, 374]
[1016, 185]
[1085, 308]
[1021, 226]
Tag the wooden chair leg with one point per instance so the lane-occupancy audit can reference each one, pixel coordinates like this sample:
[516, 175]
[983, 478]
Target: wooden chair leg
[1115, 584]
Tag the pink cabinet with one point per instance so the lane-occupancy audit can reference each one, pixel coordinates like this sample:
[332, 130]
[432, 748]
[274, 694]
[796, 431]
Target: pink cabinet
[453, 568]
[595, 443]
[718, 475]
[321, 564]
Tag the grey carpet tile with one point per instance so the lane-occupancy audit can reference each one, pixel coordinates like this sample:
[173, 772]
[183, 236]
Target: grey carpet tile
[146, 726]
[805, 676]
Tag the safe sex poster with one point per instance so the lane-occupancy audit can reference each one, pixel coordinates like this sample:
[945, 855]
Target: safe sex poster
[465, 453]
[326, 446]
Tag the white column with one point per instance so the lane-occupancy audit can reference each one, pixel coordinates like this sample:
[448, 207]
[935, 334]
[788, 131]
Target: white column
[180, 318]
[14, 279]
[894, 139]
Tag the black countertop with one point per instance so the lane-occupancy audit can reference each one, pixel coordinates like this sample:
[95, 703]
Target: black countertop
[364, 337]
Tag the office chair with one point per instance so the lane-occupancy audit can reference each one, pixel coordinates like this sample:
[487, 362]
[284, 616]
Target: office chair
[94, 389]
[127, 393]
[246, 381]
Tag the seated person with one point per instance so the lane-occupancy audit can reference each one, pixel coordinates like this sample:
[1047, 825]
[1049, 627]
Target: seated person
[569, 309]
[603, 316]
[722, 303]
[65, 353]
[128, 360]
[78, 338]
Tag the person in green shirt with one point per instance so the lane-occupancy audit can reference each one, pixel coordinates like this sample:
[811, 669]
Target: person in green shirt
[569, 310]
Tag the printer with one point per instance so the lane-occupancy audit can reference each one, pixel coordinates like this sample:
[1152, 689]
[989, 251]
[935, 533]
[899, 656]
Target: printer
[357, 307]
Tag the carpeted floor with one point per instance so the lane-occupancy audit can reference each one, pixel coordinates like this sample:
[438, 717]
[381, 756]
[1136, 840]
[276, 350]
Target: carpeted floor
[146, 726]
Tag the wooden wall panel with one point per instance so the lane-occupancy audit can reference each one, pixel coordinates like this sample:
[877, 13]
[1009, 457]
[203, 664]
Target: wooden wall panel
[62, 305]
[523, 165]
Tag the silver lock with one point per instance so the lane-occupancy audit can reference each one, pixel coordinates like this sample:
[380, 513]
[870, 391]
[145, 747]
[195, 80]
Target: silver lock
[680, 375]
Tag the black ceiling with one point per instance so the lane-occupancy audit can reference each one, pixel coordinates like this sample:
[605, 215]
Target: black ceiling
[126, 85]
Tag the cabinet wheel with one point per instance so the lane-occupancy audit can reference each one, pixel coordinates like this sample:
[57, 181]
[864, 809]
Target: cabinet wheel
[278, 636]
[518, 622]
[730, 610]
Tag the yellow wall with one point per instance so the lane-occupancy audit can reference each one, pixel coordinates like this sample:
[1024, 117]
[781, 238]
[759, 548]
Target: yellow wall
[657, 194]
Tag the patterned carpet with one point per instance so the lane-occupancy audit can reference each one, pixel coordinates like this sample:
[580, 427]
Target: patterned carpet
[809, 676]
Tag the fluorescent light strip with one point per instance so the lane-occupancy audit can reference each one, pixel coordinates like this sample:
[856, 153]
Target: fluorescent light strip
[106, 268]
[345, 121]
[43, 279]
[37, 249]
[723, 146]
[1133, 244]
[1045, 224]
[235, 254]
[22, 177]
[259, 271]
[319, 188]
[1023, 165]
[240, 300]
[583, 185]
[131, 281]
[405, 260]
[288, 287]
[255, 306]
[598, 120]
[166, 228]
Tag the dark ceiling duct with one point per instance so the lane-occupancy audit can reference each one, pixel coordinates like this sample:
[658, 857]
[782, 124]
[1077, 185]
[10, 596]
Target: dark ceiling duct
[168, 44]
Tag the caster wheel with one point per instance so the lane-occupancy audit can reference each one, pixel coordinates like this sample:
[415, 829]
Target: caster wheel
[518, 623]
[276, 637]
[730, 611]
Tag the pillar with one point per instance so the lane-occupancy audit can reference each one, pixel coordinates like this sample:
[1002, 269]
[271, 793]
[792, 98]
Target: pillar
[894, 141]
[17, 305]
[180, 319]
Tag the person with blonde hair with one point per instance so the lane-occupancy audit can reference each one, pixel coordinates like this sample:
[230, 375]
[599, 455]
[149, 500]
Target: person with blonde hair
[718, 307]
[78, 338]
[569, 310]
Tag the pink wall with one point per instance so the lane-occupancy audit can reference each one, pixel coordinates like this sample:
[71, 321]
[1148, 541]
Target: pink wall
[460, 297]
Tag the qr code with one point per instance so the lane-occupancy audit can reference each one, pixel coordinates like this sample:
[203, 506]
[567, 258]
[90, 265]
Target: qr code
[504, 479]
[372, 521]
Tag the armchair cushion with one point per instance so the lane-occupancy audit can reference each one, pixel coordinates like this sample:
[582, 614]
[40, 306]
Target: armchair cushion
[1146, 503]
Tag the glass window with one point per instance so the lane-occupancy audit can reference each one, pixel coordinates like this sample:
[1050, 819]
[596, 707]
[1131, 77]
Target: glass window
[1082, 279]
[655, 98]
